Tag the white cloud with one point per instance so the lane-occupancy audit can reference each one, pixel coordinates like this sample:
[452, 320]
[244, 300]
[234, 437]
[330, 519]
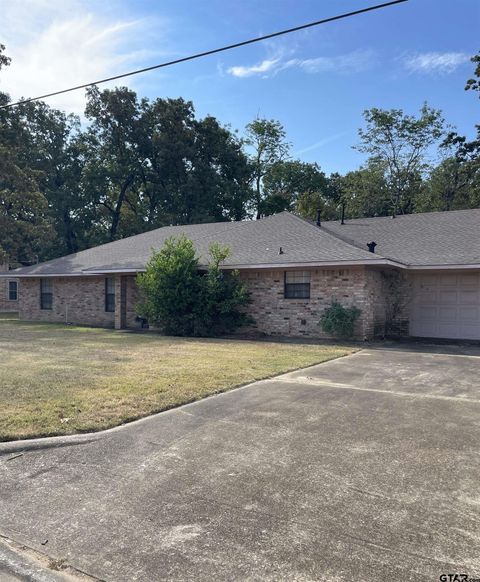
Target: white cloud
[55, 44]
[435, 62]
[352, 62]
[265, 66]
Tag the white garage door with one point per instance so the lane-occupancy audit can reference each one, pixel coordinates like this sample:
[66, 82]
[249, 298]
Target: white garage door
[446, 306]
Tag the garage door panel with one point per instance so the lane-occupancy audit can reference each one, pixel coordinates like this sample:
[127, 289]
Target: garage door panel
[447, 297]
[447, 313]
[446, 305]
[426, 313]
[472, 279]
[447, 280]
[468, 297]
[424, 297]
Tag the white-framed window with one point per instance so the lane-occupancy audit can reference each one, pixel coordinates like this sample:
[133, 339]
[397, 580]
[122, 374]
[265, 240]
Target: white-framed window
[13, 290]
[297, 285]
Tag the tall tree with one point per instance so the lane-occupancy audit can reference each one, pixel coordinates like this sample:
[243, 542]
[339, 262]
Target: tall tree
[326, 195]
[400, 144]
[266, 139]
[111, 145]
[25, 228]
[288, 182]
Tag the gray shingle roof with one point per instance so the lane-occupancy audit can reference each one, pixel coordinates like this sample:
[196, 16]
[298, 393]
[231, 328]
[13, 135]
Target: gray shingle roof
[427, 239]
[251, 243]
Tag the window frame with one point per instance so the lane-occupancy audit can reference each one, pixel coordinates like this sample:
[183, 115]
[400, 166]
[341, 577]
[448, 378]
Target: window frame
[9, 290]
[292, 290]
[109, 295]
[46, 297]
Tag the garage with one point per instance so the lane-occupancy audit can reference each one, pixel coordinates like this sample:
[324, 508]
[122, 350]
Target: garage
[446, 305]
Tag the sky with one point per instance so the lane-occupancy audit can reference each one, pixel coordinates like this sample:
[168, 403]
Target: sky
[316, 83]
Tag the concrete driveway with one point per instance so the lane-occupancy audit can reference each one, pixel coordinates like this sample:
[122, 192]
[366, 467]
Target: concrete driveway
[364, 468]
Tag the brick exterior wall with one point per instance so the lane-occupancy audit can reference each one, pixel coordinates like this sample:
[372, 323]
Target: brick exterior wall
[7, 306]
[276, 315]
[381, 295]
[75, 300]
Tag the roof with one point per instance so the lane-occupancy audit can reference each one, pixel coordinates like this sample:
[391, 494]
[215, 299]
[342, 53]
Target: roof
[433, 239]
[428, 239]
[252, 243]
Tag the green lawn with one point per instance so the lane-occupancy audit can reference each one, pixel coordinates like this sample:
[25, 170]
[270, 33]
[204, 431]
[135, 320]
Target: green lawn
[61, 380]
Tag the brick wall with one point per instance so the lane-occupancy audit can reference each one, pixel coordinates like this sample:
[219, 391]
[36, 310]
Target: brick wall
[382, 297]
[75, 300]
[275, 315]
[7, 306]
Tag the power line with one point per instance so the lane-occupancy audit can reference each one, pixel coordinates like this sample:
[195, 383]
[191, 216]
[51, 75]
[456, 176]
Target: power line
[210, 52]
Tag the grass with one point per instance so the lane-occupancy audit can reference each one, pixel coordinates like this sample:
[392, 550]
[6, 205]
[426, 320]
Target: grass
[62, 380]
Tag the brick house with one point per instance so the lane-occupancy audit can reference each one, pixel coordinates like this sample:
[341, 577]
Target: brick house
[421, 278]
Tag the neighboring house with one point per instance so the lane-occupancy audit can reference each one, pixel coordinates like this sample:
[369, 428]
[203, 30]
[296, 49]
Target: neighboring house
[423, 278]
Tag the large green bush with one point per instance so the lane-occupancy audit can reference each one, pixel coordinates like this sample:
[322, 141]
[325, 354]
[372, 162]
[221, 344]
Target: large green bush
[182, 300]
[339, 321]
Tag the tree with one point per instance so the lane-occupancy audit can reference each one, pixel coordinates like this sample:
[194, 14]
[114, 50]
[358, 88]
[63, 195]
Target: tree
[266, 139]
[46, 143]
[25, 229]
[182, 300]
[287, 182]
[111, 145]
[170, 287]
[325, 194]
[400, 144]
[474, 83]
[222, 298]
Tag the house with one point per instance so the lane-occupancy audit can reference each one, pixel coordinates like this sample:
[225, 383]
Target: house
[416, 275]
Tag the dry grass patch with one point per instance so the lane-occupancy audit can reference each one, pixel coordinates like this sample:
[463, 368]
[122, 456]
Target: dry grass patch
[62, 380]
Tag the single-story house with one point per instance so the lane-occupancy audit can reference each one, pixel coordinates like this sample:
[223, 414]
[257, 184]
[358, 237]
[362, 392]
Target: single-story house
[416, 275]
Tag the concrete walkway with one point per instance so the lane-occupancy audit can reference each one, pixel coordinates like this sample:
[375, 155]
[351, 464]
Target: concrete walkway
[364, 468]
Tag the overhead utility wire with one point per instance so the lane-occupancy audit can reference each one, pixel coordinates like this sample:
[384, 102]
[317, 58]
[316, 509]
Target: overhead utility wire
[210, 52]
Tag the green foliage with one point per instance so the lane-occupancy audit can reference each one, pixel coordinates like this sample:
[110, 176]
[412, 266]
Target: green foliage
[170, 287]
[288, 183]
[141, 164]
[474, 83]
[339, 321]
[182, 300]
[266, 139]
[399, 144]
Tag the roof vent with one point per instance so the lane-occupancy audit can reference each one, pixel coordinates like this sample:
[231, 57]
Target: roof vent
[371, 246]
[319, 212]
[280, 252]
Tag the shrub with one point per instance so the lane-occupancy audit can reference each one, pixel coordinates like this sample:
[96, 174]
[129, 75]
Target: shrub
[181, 300]
[339, 321]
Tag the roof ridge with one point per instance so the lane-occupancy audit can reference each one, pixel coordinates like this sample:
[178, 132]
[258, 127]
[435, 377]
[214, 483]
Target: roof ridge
[348, 242]
[410, 214]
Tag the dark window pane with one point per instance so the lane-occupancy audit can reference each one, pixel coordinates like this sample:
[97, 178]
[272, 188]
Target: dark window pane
[46, 301]
[12, 290]
[46, 294]
[110, 294]
[297, 290]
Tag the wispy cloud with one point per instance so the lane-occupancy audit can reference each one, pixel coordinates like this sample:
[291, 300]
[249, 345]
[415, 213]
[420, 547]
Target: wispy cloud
[262, 68]
[321, 142]
[352, 62]
[61, 43]
[435, 62]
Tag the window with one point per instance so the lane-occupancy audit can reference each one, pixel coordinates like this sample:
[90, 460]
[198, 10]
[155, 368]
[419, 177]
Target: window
[297, 284]
[46, 294]
[110, 294]
[12, 290]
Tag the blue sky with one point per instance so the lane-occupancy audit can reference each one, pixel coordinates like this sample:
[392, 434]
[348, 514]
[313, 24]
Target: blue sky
[316, 82]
